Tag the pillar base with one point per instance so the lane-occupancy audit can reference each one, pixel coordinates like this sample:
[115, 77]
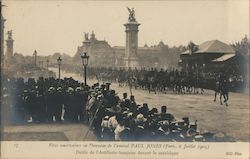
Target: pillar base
[131, 62]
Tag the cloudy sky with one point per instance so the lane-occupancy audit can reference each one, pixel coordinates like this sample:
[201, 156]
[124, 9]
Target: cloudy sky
[59, 26]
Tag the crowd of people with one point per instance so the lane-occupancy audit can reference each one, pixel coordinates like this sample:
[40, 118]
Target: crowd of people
[110, 117]
[44, 100]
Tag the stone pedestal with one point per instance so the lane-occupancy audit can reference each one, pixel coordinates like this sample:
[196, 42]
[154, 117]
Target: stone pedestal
[131, 56]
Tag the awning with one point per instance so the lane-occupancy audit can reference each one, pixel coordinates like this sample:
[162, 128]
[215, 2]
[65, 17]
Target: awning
[223, 58]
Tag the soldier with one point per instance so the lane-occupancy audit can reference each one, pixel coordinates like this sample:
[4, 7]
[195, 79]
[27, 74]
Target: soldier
[79, 107]
[31, 101]
[59, 100]
[51, 104]
[69, 105]
[41, 106]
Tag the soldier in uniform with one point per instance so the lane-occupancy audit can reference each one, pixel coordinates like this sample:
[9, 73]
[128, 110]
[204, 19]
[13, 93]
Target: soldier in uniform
[59, 100]
[69, 105]
[79, 95]
[51, 104]
[32, 103]
[41, 106]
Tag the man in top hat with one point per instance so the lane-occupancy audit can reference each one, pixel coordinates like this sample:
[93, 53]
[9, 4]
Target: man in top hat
[144, 110]
[133, 105]
[108, 86]
[166, 116]
[125, 102]
[126, 134]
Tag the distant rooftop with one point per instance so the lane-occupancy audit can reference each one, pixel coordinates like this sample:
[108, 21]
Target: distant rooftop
[213, 46]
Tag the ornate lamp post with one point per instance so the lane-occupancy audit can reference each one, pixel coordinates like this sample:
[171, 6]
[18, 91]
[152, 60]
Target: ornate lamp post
[35, 55]
[59, 60]
[85, 60]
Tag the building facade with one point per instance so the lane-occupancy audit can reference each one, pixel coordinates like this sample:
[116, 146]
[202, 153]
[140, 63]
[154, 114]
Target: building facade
[211, 55]
[102, 54]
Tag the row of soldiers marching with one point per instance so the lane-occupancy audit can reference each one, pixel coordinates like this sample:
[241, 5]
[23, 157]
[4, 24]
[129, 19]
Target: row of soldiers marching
[152, 79]
[164, 80]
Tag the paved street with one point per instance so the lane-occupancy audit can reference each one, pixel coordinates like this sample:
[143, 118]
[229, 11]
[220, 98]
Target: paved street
[232, 120]
[48, 132]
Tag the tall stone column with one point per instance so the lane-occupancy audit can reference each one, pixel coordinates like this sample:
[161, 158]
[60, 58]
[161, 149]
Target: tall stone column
[9, 47]
[2, 40]
[131, 29]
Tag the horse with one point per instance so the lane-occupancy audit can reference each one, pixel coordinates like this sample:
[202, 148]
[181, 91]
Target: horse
[222, 89]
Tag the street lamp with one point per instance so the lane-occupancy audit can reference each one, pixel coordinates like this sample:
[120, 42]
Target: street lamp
[59, 60]
[85, 60]
[47, 61]
[35, 55]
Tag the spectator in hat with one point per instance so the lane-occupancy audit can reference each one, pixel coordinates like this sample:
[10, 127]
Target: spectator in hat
[107, 134]
[144, 110]
[126, 134]
[140, 132]
[166, 116]
[120, 127]
[112, 123]
[125, 102]
[133, 105]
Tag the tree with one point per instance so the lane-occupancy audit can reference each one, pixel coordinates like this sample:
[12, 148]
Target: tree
[242, 47]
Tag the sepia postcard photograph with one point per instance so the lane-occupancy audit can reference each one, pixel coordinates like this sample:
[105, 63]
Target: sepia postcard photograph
[125, 79]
